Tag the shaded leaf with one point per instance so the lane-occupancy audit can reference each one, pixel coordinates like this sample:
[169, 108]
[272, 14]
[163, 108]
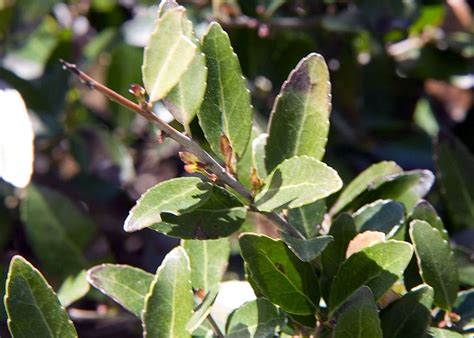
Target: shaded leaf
[169, 303]
[424, 211]
[410, 315]
[226, 109]
[203, 310]
[32, 306]
[168, 54]
[73, 288]
[358, 316]
[307, 218]
[377, 266]
[464, 307]
[208, 260]
[307, 249]
[296, 182]
[436, 263]
[280, 275]
[176, 196]
[299, 121]
[382, 215]
[257, 318]
[125, 284]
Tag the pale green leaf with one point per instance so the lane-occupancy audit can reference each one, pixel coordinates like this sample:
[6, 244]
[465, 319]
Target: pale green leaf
[299, 123]
[125, 284]
[382, 215]
[226, 109]
[258, 155]
[169, 303]
[168, 54]
[32, 306]
[73, 288]
[307, 249]
[245, 163]
[434, 332]
[175, 196]
[308, 217]
[203, 310]
[296, 182]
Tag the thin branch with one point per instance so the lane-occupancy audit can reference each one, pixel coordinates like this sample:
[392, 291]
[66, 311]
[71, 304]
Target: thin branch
[182, 139]
[215, 326]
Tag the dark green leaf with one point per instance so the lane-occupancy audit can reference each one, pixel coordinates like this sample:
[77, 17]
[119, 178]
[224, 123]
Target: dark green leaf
[226, 109]
[307, 249]
[32, 306]
[258, 318]
[436, 262]
[299, 122]
[408, 316]
[203, 310]
[382, 215]
[73, 288]
[464, 307]
[424, 211]
[280, 275]
[358, 316]
[377, 266]
[307, 218]
[126, 285]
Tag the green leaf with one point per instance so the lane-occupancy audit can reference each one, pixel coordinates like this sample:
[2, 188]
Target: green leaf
[408, 316]
[307, 218]
[126, 285]
[258, 155]
[299, 122]
[73, 288]
[455, 165]
[282, 278]
[436, 263]
[203, 310]
[358, 316]
[343, 230]
[382, 215]
[307, 249]
[377, 266]
[57, 231]
[464, 307]
[208, 261]
[32, 306]
[434, 332]
[168, 54]
[257, 318]
[296, 182]
[245, 163]
[226, 109]
[424, 211]
[363, 182]
[169, 303]
[175, 196]
[184, 100]
[220, 216]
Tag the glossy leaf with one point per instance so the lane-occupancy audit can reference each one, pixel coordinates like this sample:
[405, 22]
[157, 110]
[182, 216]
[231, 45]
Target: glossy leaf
[358, 316]
[73, 288]
[280, 275]
[226, 109]
[32, 306]
[377, 266]
[168, 54]
[220, 216]
[382, 215]
[363, 182]
[424, 211]
[203, 310]
[299, 122]
[307, 218]
[307, 249]
[208, 261]
[410, 315]
[436, 263]
[126, 285]
[257, 318]
[175, 196]
[258, 155]
[169, 303]
[296, 182]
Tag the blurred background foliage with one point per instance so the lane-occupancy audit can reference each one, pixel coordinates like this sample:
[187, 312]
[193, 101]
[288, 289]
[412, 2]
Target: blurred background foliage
[401, 72]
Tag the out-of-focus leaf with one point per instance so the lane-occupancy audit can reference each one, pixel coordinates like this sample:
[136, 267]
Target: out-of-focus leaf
[296, 182]
[127, 285]
[257, 318]
[463, 257]
[425, 119]
[168, 54]
[32, 306]
[358, 316]
[226, 109]
[464, 307]
[434, 332]
[307, 249]
[377, 266]
[203, 310]
[280, 275]
[424, 211]
[436, 263]
[169, 303]
[220, 216]
[208, 261]
[176, 196]
[410, 315]
[382, 215]
[364, 181]
[430, 16]
[73, 288]
[307, 218]
[258, 154]
[299, 123]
